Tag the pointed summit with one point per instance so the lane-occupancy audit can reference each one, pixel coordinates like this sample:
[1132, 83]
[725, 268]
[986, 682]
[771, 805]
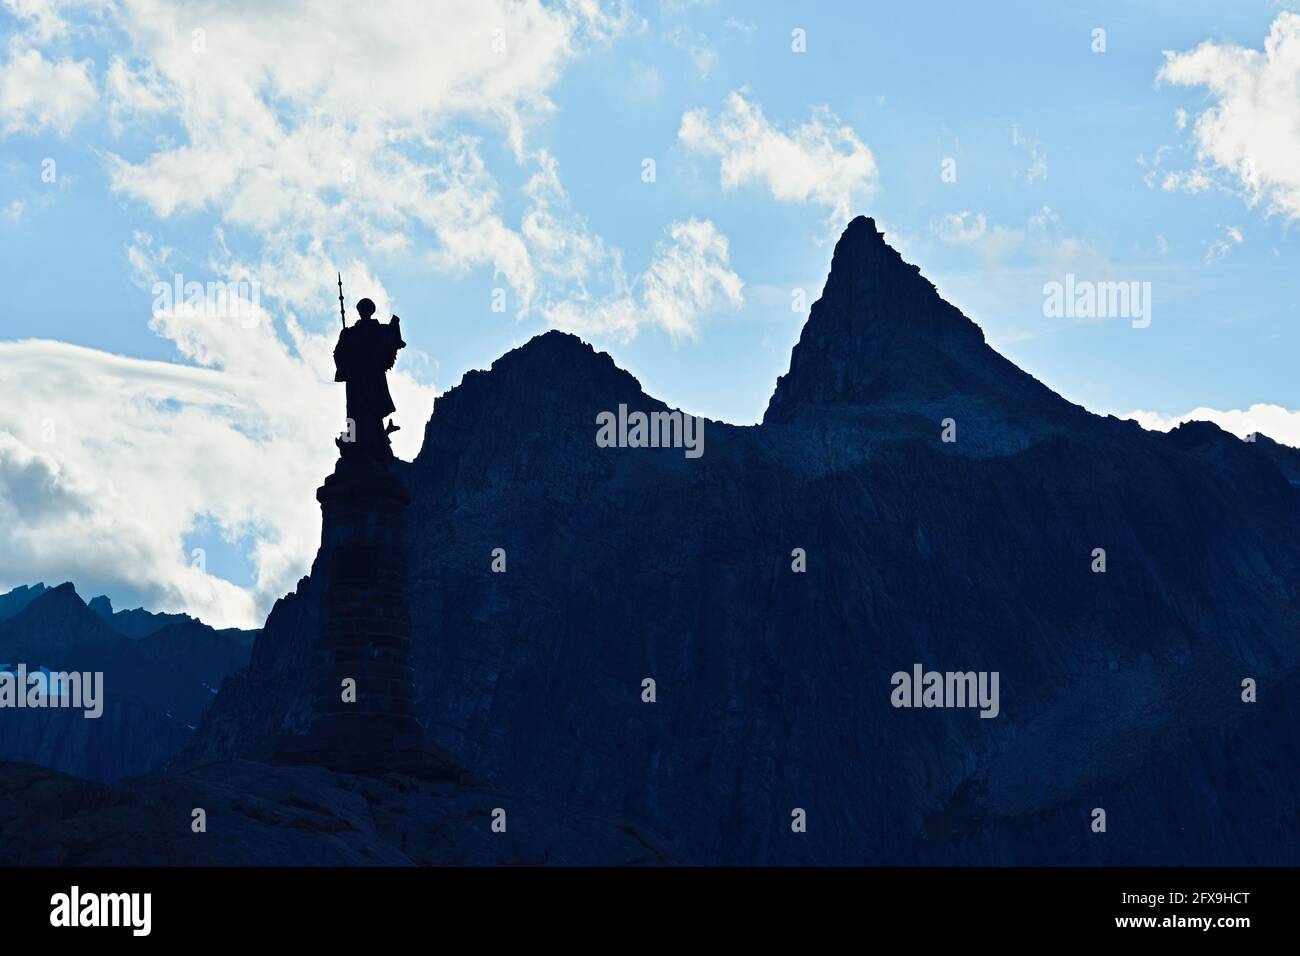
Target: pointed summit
[881, 333]
[14, 601]
[554, 377]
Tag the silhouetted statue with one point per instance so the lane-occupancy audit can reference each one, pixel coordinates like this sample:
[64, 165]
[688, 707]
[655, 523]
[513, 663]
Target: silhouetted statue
[365, 352]
[364, 716]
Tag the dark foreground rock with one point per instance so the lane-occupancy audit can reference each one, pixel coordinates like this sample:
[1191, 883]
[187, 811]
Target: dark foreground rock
[263, 815]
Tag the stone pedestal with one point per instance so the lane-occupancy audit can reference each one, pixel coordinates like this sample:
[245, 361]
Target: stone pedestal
[367, 635]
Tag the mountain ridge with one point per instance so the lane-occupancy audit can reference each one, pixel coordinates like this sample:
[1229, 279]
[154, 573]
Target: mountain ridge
[156, 684]
[773, 684]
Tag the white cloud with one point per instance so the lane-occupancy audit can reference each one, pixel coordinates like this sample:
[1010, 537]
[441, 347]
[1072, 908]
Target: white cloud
[820, 162]
[134, 92]
[43, 19]
[1188, 180]
[37, 94]
[108, 464]
[1280, 424]
[348, 139]
[959, 228]
[561, 245]
[1249, 135]
[688, 278]
[1037, 240]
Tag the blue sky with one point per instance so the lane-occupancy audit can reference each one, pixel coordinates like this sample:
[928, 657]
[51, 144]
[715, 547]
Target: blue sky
[437, 155]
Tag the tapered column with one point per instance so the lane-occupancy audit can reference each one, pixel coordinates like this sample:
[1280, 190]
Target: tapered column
[366, 681]
[365, 720]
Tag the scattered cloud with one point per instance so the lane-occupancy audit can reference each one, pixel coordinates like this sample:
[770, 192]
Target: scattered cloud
[278, 139]
[960, 228]
[1037, 241]
[1232, 237]
[311, 159]
[38, 94]
[42, 20]
[688, 277]
[820, 162]
[1249, 136]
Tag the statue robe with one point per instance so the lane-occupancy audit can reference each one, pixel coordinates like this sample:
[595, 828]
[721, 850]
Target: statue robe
[365, 352]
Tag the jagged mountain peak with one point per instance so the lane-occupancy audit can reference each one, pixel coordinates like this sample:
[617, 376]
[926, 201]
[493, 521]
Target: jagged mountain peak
[58, 608]
[553, 376]
[13, 601]
[882, 333]
[49, 624]
[63, 595]
[863, 244]
[558, 358]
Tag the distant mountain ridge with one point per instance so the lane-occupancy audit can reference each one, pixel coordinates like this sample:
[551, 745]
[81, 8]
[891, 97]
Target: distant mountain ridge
[1122, 688]
[161, 672]
[11, 602]
[136, 622]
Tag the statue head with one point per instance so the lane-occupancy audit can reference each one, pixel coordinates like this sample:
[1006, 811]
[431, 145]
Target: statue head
[366, 308]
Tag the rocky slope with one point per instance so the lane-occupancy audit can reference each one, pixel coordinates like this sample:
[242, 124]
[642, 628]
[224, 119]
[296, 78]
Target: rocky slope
[1119, 690]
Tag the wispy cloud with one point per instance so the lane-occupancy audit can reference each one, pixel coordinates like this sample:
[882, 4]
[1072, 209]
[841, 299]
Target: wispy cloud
[689, 277]
[821, 161]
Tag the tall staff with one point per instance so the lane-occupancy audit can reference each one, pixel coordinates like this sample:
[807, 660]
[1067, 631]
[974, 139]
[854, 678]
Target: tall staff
[343, 315]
